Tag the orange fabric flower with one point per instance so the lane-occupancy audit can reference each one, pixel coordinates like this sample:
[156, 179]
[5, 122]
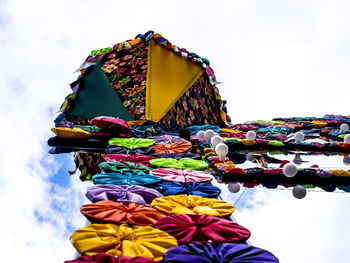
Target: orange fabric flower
[109, 211]
[175, 147]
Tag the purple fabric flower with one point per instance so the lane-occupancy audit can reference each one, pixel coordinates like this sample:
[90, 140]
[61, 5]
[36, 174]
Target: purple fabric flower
[227, 252]
[166, 139]
[122, 193]
[323, 173]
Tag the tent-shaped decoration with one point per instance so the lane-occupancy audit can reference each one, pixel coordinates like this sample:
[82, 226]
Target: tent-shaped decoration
[147, 78]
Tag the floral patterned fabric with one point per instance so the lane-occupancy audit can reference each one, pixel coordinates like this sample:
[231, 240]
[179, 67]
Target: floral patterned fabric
[127, 71]
[197, 106]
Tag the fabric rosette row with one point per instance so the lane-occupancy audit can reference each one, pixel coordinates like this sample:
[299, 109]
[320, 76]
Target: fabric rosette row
[143, 206]
[152, 196]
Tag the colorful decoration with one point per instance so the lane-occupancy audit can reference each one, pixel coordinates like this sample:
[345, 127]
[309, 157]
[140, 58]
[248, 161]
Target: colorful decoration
[122, 240]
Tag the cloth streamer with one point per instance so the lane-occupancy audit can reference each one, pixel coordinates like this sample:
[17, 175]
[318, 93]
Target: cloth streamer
[202, 228]
[112, 212]
[123, 167]
[183, 163]
[122, 240]
[123, 194]
[171, 148]
[208, 253]
[192, 204]
[178, 175]
[131, 158]
[176, 188]
[127, 179]
[131, 143]
[104, 258]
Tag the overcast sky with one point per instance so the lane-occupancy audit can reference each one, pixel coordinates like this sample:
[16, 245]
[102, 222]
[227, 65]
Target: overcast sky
[275, 59]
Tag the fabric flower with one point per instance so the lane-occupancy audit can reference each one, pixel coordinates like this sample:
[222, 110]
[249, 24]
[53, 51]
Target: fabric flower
[202, 228]
[178, 175]
[176, 188]
[122, 193]
[112, 212]
[192, 204]
[125, 179]
[131, 143]
[208, 253]
[131, 158]
[175, 147]
[122, 240]
[104, 258]
[123, 167]
[183, 163]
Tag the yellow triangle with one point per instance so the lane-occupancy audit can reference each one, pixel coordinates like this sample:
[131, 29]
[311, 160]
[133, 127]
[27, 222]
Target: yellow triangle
[168, 77]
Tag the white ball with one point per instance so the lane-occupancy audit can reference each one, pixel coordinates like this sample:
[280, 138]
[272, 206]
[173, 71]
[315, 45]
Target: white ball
[346, 159]
[344, 127]
[221, 149]
[347, 139]
[299, 136]
[250, 135]
[250, 157]
[299, 191]
[215, 140]
[290, 170]
[201, 136]
[234, 187]
[208, 134]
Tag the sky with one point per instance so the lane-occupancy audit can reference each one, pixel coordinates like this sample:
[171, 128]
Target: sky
[275, 59]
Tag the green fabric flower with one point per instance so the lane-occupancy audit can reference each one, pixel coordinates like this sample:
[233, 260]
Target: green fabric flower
[131, 143]
[183, 163]
[123, 167]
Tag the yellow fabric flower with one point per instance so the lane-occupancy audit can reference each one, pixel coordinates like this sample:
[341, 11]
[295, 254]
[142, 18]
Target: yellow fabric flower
[122, 240]
[192, 204]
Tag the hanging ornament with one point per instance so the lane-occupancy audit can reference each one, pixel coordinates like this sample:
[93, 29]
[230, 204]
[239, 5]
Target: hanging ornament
[215, 140]
[344, 127]
[250, 135]
[234, 187]
[208, 135]
[299, 136]
[290, 170]
[221, 149]
[201, 136]
[299, 191]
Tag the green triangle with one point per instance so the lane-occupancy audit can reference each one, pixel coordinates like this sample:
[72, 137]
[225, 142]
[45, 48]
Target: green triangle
[96, 97]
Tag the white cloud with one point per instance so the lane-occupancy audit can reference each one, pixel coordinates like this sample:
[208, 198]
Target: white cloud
[276, 58]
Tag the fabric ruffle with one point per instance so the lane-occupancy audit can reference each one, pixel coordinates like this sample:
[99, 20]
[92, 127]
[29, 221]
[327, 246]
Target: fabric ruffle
[112, 212]
[208, 253]
[183, 163]
[123, 167]
[131, 158]
[192, 204]
[105, 122]
[176, 188]
[104, 258]
[202, 228]
[122, 193]
[122, 240]
[131, 143]
[125, 179]
[178, 175]
[171, 148]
